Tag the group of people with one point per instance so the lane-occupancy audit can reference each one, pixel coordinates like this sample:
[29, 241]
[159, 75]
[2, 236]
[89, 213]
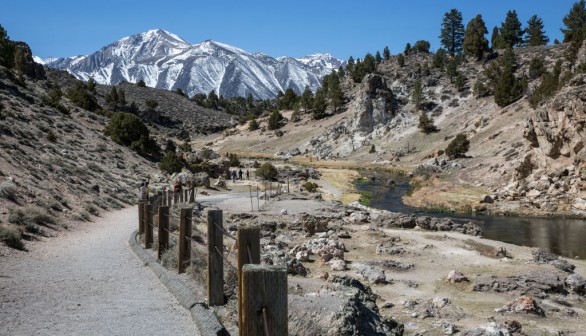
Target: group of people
[237, 174]
[145, 189]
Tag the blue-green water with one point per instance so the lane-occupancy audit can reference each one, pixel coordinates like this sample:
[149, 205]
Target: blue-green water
[563, 236]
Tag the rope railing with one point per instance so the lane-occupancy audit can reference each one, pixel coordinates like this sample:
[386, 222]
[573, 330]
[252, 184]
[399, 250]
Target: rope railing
[265, 321]
[225, 259]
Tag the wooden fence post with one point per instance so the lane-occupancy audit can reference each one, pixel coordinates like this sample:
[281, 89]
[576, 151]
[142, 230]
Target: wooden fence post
[192, 195]
[148, 226]
[184, 239]
[264, 298]
[163, 230]
[181, 196]
[185, 194]
[215, 258]
[248, 247]
[175, 197]
[169, 197]
[141, 216]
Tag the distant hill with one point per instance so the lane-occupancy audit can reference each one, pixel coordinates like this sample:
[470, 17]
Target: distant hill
[164, 60]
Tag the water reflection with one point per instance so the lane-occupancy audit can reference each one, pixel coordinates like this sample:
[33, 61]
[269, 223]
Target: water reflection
[562, 236]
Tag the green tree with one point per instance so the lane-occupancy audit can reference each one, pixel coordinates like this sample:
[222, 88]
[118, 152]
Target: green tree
[288, 99]
[536, 68]
[319, 105]
[452, 32]
[141, 83]
[306, 99]
[128, 130]
[439, 59]
[252, 125]
[151, 104]
[511, 33]
[426, 124]
[335, 94]
[212, 100]
[458, 147]
[401, 60]
[421, 47]
[475, 44]
[459, 82]
[535, 35]
[407, 50]
[575, 21]
[495, 39]
[350, 64]
[452, 69]
[386, 53]
[7, 49]
[417, 94]
[267, 171]
[81, 96]
[377, 57]
[507, 87]
[275, 120]
[171, 163]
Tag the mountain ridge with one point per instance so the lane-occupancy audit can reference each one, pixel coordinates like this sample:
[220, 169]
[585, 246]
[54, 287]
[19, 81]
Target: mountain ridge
[164, 60]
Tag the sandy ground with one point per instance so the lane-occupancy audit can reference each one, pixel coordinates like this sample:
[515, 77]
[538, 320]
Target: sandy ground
[87, 282]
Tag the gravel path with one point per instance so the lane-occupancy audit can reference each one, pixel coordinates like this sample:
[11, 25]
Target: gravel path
[87, 282]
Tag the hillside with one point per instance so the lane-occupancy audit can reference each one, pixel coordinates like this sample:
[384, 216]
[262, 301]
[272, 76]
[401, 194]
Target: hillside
[56, 167]
[503, 161]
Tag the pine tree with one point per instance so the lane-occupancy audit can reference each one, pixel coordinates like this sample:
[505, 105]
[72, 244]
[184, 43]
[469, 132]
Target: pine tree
[275, 120]
[439, 59]
[350, 65]
[426, 124]
[458, 147]
[452, 32]
[535, 33]
[459, 82]
[575, 21]
[407, 50]
[475, 44]
[306, 99]
[511, 33]
[319, 105]
[334, 92]
[421, 46]
[495, 39]
[401, 60]
[386, 53]
[452, 69]
[417, 94]
[377, 57]
[341, 72]
[507, 87]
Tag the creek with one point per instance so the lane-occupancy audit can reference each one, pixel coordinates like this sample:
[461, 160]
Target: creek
[562, 236]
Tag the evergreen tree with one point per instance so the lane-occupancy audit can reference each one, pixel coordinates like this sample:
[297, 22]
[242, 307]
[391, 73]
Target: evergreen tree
[426, 124]
[306, 99]
[288, 100]
[475, 44]
[459, 82]
[417, 94]
[535, 35]
[507, 87]
[401, 60]
[378, 58]
[495, 39]
[319, 105]
[407, 50]
[452, 69]
[275, 120]
[6, 49]
[458, 147]
[421, 47]
[369, 63]
[341, 72]
[350, 65]
[252, 125]
[452, 32]
[141, 83]
[511, 33]
[386, 53]
[439, 59]
[575, 21]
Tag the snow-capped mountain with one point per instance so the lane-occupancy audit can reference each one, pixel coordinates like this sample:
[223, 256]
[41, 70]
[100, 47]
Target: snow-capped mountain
[164, 60]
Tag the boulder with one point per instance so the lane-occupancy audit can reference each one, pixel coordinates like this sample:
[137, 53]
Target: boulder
[523, 304]
[456, 276]
[576, 283]
[439, 302]
[542, 256]
[563, 265]
[338, 265]
[493, 329]
[486, 199]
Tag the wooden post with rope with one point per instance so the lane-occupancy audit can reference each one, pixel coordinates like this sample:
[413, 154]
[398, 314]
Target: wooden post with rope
[163, 242]
[248, 253]
[215, 258]
[148, 226]
[184, 240]
[264, 300]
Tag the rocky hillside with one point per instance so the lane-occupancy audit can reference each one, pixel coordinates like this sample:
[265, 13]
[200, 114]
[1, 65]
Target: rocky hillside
[512, 148]
[55, 163]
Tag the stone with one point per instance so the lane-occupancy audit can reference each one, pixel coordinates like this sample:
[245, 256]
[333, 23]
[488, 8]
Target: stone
[283, 211]
[576, 283]
[374, 275]
[563, 265]
[542, 256]
[523, 304]
[456, 277]
[499, 252]
[493, 329]
[323, 275]
[513, 326]
[486, 199]
[294, 152]
[439, 302]
[338, 265]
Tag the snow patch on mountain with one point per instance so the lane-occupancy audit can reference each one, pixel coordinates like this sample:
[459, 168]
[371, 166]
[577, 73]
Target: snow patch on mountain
[164, 60]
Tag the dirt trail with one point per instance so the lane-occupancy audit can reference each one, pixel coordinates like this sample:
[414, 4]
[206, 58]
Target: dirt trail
[87, 282]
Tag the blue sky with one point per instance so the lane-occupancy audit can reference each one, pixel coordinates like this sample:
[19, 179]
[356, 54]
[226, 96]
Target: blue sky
[293, 28]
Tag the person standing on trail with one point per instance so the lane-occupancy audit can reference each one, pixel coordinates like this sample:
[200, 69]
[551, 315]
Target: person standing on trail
[234, 176]
[177, 188]
[247, 174]
[240, 174]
